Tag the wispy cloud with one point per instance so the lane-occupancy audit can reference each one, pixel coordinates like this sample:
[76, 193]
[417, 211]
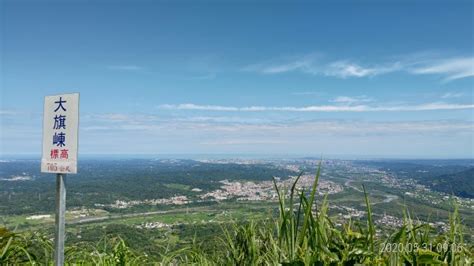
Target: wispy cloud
[170, 133]
[298, 65]
[305, 63]
[347, 69]
[350, 100]
[279, 132]
[451, 68]
[452, 95]
[8, 112]
[191, 106]
[113, 117]
[237, 125]
[120, 117]
[311, 64]
[125, 67]
[320, 108]
[243, 142]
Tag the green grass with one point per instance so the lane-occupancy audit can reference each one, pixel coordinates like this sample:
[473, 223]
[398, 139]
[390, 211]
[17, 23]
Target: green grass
[303, 233]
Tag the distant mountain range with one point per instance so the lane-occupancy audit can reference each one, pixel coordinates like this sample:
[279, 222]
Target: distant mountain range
[450, 176]
[460, 183]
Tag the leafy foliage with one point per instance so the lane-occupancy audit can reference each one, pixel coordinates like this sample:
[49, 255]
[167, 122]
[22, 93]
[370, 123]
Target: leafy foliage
[302, 234]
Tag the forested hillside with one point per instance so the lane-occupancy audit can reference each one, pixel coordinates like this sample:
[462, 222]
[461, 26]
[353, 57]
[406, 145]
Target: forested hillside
[460, 183]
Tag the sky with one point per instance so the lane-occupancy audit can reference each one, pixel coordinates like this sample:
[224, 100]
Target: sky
[354, 78]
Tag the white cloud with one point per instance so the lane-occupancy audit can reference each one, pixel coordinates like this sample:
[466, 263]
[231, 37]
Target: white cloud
[243, 142]
[346, 69]
[8, 112]
[427, 107]
[298, 65]
[302, 65]
[312, 64]
[453, 68]
[346, 99]
[238, 127]
[452, 95]
[294, 136]
[321, 108]
[305, 63]
[191, 106]
[152, 133]
[356, 128]
[113, 117]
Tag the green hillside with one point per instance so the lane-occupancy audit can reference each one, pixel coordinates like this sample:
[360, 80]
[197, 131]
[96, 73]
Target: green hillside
[460, 184]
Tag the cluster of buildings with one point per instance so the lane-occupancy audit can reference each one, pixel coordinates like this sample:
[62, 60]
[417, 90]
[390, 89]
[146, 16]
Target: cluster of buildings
[242, 191]
[389, 221]
[121, 204]
[39, 217]
[265, 190]
[152, 225]
[346, 212]
[239, 190]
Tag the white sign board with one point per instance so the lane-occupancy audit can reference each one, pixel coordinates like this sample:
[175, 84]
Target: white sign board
[60, 130]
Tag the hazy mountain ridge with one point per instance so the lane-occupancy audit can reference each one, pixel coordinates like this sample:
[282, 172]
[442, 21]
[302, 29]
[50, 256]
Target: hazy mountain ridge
[449, 176]
[460, 184]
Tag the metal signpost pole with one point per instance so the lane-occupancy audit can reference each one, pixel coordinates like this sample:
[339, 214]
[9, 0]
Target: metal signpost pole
[60, 134]
[60, 219]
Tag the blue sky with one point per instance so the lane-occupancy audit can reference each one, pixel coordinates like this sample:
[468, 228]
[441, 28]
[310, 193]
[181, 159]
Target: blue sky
[392, 79]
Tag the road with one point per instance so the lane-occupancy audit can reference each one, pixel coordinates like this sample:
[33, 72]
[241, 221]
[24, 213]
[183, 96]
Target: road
[129, 215]
[388, 197]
